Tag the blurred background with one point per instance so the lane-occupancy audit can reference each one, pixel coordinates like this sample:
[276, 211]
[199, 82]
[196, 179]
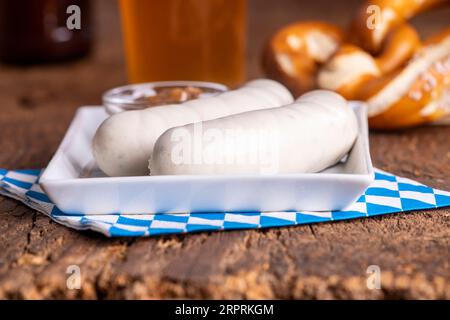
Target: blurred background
[82, 81]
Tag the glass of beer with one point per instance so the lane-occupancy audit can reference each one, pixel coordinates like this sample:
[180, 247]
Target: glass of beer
[185, 40]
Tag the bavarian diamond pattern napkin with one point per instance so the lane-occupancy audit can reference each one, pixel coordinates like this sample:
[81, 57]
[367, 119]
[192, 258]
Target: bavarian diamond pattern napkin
[387, 194]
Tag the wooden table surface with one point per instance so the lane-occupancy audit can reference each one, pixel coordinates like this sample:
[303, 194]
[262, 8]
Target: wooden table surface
[326, 260]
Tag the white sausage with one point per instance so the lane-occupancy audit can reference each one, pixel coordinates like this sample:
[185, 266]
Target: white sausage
[124, 142]
[307, 136]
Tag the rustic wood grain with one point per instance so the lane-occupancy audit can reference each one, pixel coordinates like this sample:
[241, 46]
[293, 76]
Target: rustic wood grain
[326, 260]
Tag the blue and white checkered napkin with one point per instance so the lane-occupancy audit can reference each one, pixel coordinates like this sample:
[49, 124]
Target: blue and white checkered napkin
[387, 194]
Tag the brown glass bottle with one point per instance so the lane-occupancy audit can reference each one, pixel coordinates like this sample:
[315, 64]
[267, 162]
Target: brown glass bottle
[36, 31]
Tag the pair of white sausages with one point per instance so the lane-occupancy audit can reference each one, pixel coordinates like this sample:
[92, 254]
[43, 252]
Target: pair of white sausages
[307, 136]
[254, 129]
[123, 144]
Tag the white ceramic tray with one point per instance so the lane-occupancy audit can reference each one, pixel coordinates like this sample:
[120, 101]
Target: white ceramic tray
[76, 185]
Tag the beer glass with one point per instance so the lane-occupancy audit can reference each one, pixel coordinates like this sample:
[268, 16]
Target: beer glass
[184, 40]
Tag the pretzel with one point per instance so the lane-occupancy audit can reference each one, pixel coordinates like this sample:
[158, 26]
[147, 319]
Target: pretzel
[376, 18]
[408, 96]
[403, 81]
[351, 66]
[419, 94]
[295, 52]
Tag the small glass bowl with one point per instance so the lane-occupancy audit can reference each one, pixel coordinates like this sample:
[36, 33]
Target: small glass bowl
[144, 95]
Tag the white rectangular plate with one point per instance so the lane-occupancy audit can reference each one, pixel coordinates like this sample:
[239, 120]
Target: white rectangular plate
[74, 183]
